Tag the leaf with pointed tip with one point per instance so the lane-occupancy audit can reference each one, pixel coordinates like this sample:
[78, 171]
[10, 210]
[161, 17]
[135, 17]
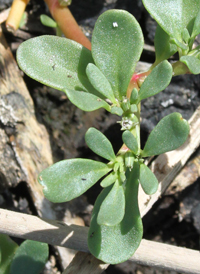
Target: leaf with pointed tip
[163, 48]
[192, 62]
[86, 101]
[156, 81]
[56, 62]
[196, 26]
[100, 82]
[112, 209]
[170, 133]
[7, 250]
[115, 58]
[116, 244]
[69, 179]
[30, 257]
[185, 35]
[148, 180]
[98, 143]
[173, 16]
[130, 141]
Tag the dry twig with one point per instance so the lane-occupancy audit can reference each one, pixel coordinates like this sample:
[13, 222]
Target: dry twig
[15, 15]
[72, 236]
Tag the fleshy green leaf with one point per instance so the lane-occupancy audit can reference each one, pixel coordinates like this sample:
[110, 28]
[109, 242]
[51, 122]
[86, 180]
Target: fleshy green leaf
[163, 48]
[196, 26]
[116, 244]
[69, 179]
[100, 82]
[117, 43]
[48, 21]
[170, 133]
[130, 141]
[148, 180]
[7, 249]
[30, 258]
[86, 101]
[109, 180]
[56, 62]
[98, 143]
[185, 35]
[134, 96]
[157, 80]
[112, 209]
[173, 16]
[192, 62]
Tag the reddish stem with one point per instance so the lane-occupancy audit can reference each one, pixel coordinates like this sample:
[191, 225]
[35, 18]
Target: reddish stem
[67, 23]
[136, 81]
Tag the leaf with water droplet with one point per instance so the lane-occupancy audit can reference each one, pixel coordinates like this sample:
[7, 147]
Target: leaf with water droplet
[115, 58]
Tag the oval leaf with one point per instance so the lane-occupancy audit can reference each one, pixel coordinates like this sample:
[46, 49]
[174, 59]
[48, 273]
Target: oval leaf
[148, 180]
[117, 43]
[86, 101]
[47, 21]
[130, 141]
[69, 179]
[192, 63]
[116, 244]
[100, 82]
[170, 133]
[7, 250]
[30, 257]
[98, 143]
[109, 180]
[112, 209]
[56, 62]
[157, 80]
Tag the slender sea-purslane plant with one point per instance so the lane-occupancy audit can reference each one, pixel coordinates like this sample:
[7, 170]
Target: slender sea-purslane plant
[104, 78]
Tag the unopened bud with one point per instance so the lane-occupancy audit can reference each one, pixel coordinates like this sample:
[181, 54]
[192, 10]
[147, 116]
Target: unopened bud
[125, 104]
[134, 96]
[129, 160]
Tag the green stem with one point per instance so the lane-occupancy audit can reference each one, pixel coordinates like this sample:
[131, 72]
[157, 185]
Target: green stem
[58, 31]
[136, 130]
